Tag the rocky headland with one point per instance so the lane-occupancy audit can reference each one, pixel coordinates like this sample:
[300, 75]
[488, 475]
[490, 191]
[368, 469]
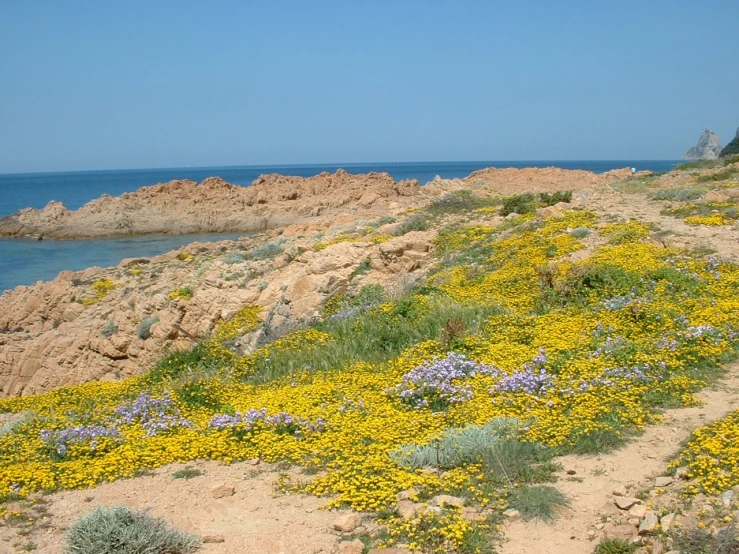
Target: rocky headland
[708, 147]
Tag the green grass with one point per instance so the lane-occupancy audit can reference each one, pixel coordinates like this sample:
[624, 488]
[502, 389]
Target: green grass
[417, 222]
[679, 194]
[703, 541]
[187, 473]
[614, 546]
[537, 502]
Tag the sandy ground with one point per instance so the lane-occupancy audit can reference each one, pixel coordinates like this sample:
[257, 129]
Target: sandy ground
[252, 520]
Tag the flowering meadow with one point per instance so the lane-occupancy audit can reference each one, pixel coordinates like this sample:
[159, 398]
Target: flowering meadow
[582, 350]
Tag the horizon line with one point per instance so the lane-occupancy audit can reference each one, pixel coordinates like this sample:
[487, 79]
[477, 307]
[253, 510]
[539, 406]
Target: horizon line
[338, 165]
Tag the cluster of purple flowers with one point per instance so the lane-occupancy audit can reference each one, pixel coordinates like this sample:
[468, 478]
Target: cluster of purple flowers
[436, 384]
[610, 345]
[282, 422]
[60, 440]
[531, 379]
[156, 415]
[620, 301]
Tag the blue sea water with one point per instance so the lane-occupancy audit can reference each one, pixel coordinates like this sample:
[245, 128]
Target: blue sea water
[23, 262]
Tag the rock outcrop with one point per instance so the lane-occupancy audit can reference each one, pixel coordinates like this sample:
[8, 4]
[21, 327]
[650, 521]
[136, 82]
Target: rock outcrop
[708, 147]
[731, 149]
[65, 332]
[215, 206]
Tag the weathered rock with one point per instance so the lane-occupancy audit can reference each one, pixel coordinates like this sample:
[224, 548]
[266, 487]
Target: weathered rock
[638, 511]
[213, 539]
[726, 498]
[649, 523]
[511, 514]
[666, 521]
[682, 472]
[663, 481]
[622, 532]
[619, 490]
[351, 547]
[346, 523]
[407, 509]
[223, 491]
[447, 500]
[406, 495]
[625, 502]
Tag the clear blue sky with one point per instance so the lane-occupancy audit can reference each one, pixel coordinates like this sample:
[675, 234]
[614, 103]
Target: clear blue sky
[100, 84]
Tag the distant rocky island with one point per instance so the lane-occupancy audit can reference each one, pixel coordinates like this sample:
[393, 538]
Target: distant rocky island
[708, 147]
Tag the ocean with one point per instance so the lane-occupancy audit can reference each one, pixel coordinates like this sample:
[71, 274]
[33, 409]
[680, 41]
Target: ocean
[23, 262]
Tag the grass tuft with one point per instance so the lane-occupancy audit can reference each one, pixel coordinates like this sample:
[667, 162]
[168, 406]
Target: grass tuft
[537, 502]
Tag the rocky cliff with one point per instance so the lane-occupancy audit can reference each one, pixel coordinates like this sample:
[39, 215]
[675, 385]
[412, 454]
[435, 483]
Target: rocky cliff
[215, 206]
[708, 147]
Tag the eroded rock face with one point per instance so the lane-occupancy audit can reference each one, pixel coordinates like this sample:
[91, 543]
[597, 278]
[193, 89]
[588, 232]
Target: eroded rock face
[59, 333]
[215, 206]
[708, 147]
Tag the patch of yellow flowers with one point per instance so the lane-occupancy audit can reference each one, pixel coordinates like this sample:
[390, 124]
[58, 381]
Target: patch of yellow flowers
[612, 358]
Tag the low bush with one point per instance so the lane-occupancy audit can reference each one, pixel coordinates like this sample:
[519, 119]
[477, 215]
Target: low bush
[143, 330]
[417, 222]
[614, 546]
[537, 502]
[118, 530]
[267, 251]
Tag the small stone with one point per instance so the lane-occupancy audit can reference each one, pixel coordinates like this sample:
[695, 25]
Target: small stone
[638, 511]
[663, 481]
[213, 539]
[347, 523]
[511, 514]
[726, 498]
[625, 502]
[351, 547]
[254, 462]
[649, 523]
[591, 533]
[599, 526]
[222, 491]
[619, 490]
[682, 473]
[407, 509]
[666, 521]
[658, 547]
[623, 532]
[571, 472]
[445, 499]
[406, 495]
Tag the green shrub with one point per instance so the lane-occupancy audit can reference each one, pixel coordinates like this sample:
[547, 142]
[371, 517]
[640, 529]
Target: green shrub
[234, 258]
[118, 530]
[458, 446]
[10, 426]
[417, 222]
[550, 199]
[459, 201]
[614, 546]
[520, 204]
[580, 232]
[187, 473]
[267, 251]
[702, 541]
[108, 330]
[679, 194]
[143, 330]
[731, 149]
[537, 502]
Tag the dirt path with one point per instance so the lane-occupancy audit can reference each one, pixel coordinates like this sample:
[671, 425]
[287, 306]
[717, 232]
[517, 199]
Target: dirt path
[252, 519]
[590, 488]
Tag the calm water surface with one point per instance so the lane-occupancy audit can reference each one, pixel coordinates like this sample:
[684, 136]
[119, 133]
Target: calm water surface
[24, 262]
